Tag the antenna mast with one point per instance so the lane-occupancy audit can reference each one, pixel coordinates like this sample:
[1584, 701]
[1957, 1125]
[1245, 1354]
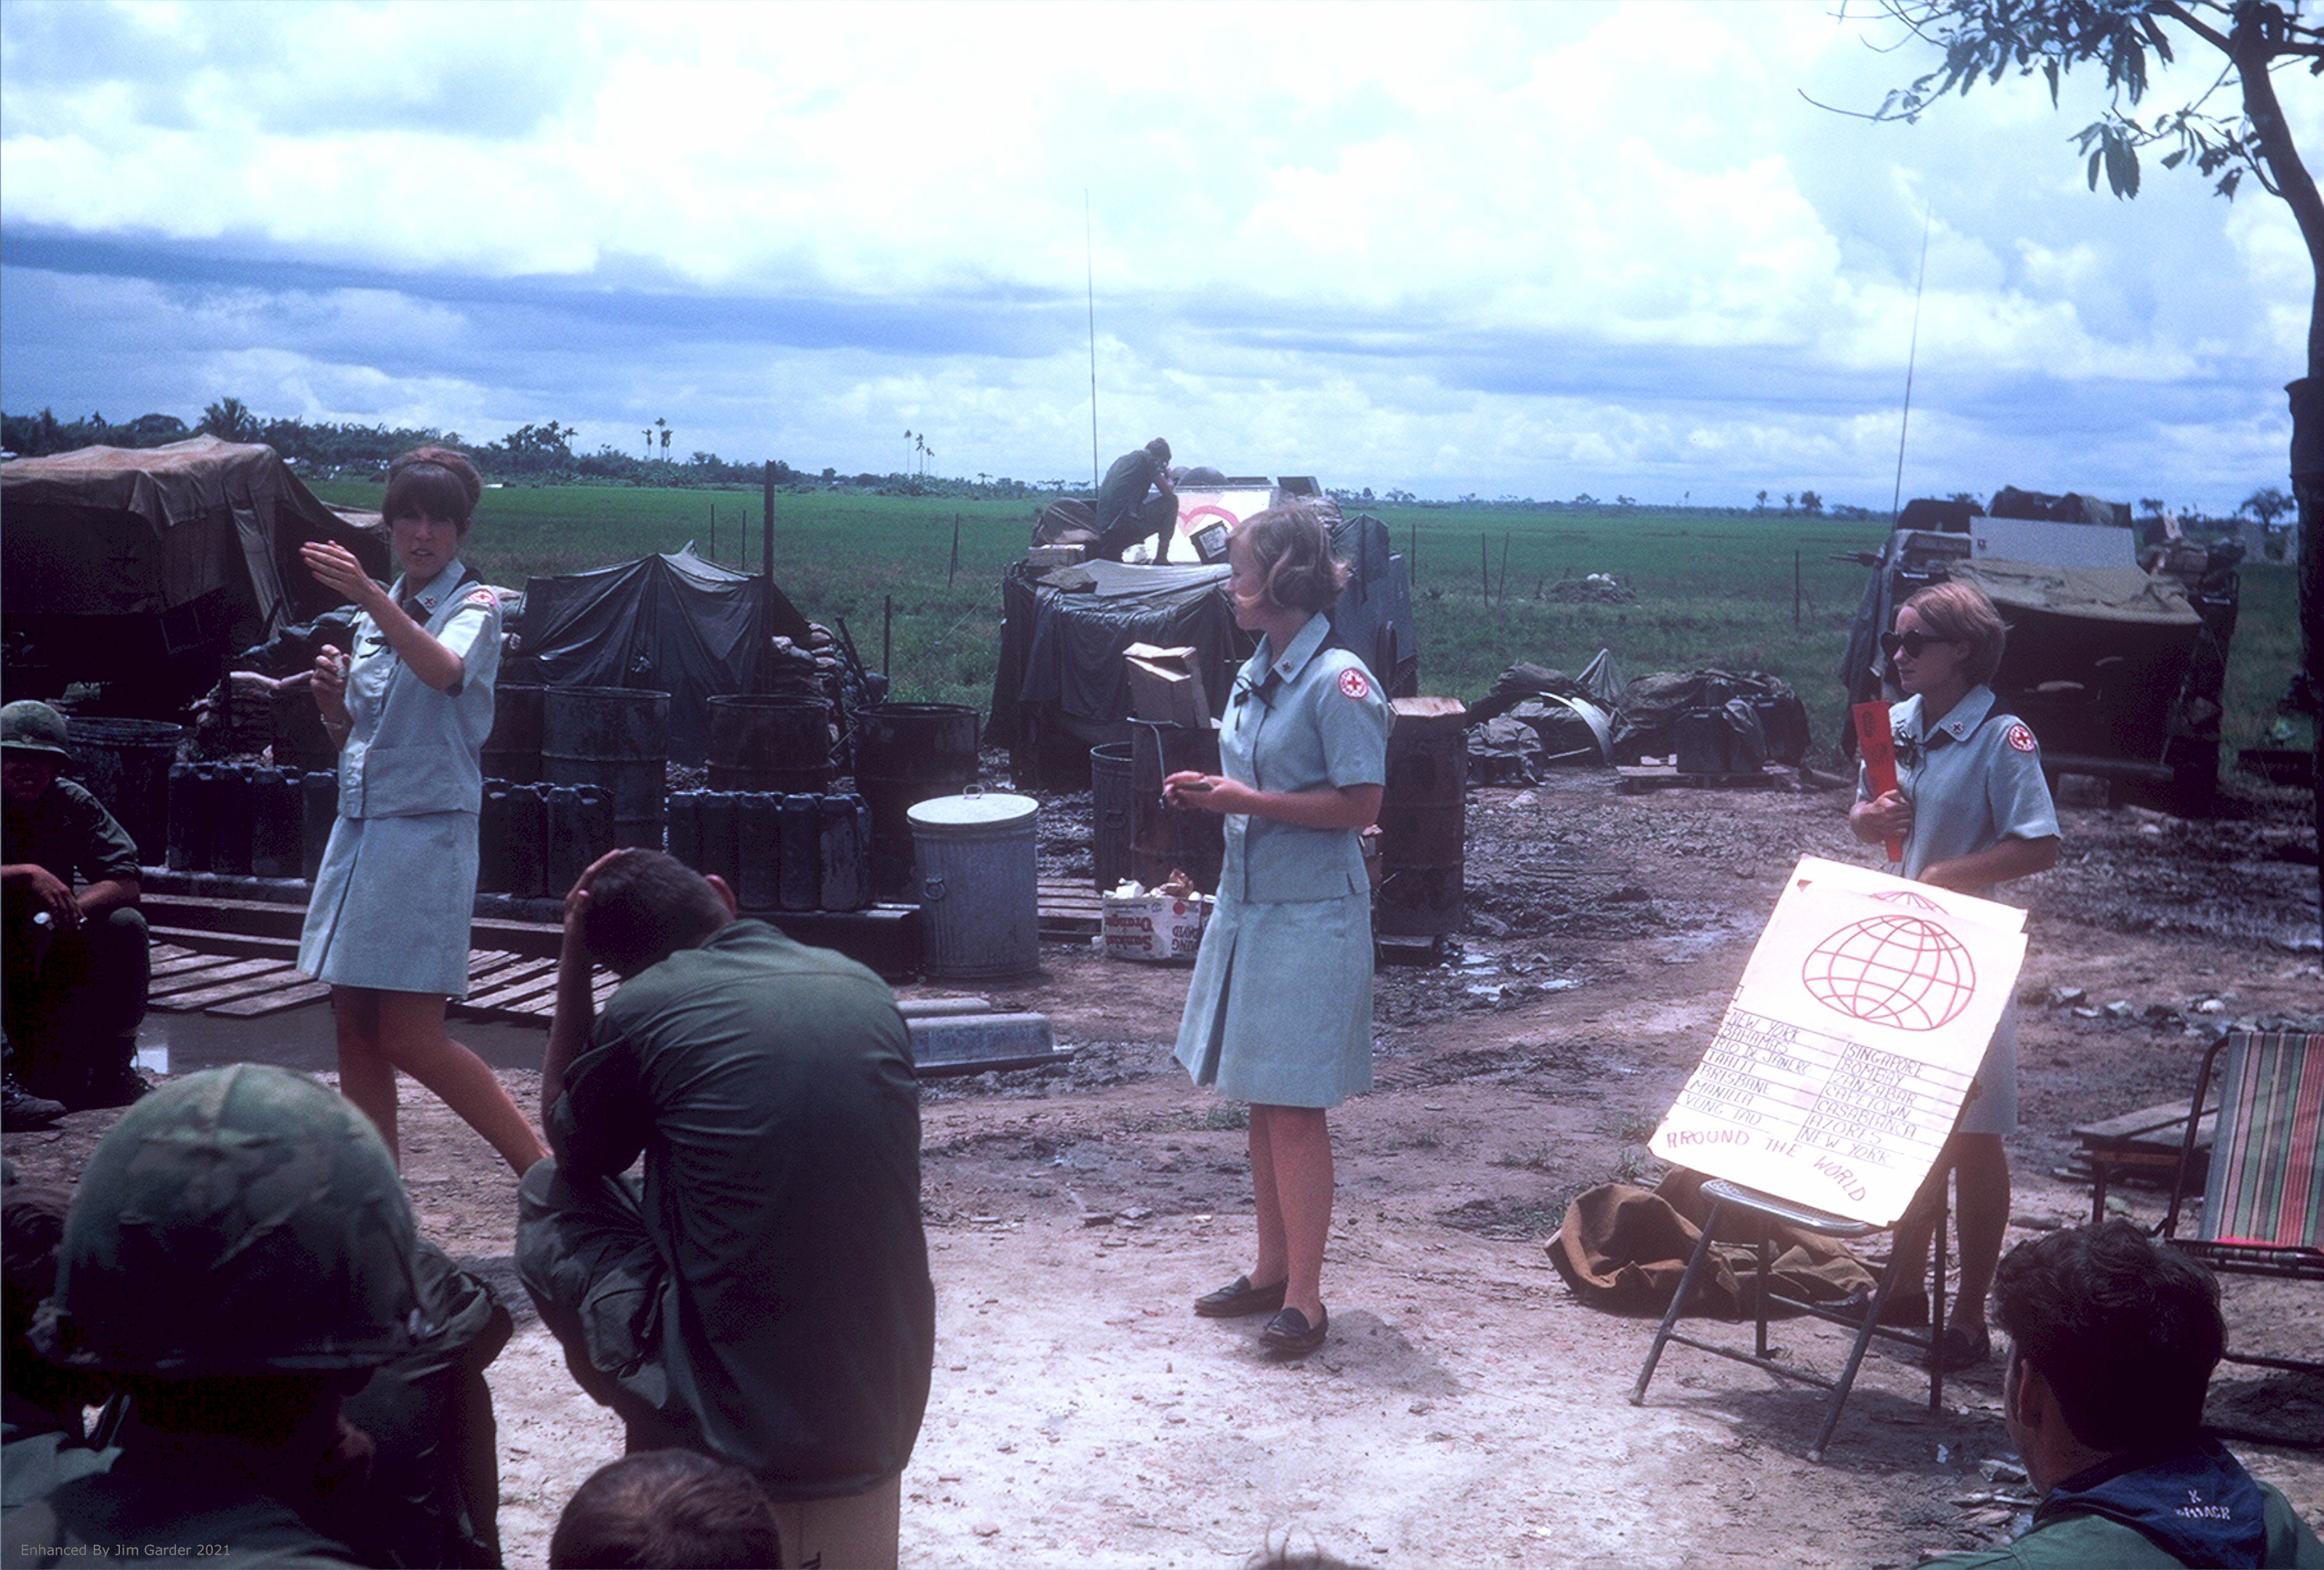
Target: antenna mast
[1912, 356]
[1089, 256]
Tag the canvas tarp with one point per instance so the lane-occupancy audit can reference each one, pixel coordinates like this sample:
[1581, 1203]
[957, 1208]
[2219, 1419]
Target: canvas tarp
[1062, 634]
[117, 531]
[2097, 594]
[672, 623]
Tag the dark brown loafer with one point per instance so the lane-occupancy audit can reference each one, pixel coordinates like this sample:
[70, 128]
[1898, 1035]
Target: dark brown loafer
[1239, 1298]
[1288, 1334]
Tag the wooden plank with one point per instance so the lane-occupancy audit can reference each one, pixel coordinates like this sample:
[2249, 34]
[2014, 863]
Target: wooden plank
[273, 1003]
[248, 986]
[514, 981]
[165, 968]
[206, 941]
[195, 980]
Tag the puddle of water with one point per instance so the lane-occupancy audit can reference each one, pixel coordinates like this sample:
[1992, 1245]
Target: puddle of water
[303, 1039]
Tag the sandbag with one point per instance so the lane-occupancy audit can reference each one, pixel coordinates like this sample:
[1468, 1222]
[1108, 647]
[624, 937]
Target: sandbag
[1646, 720]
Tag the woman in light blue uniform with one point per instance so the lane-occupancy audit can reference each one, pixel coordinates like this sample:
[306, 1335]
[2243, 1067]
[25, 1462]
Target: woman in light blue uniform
[388, 921]
[1279, 1013]
[1973, 810]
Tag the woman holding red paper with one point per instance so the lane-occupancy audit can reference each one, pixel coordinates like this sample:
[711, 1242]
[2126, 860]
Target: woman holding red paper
[1972, 810]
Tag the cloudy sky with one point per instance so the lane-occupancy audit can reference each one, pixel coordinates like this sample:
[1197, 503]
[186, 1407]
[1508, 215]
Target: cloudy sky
[1530, 250]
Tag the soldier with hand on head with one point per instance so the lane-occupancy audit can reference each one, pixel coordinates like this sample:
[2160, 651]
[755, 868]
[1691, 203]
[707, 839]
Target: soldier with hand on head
[73, 948]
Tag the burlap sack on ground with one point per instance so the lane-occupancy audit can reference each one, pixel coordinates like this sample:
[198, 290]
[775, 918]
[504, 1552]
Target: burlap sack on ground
[1624, 1249]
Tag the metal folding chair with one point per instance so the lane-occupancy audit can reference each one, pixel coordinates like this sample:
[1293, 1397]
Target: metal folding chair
[2263, 1210]
[1764, 1208]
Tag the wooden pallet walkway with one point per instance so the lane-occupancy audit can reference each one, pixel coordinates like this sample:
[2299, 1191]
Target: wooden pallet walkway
[1068, 907]
[215, 974]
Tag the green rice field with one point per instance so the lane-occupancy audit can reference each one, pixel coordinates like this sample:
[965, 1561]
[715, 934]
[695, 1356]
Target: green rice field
[1714, 588]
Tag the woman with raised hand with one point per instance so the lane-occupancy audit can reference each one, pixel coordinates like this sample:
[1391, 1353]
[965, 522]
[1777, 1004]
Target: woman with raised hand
[1279, 1013]
[409, 707]
[1973, 810]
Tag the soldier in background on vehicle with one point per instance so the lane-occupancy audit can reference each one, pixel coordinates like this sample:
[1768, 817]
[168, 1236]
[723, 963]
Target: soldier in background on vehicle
[1137, 501]
[75, 962]
[239, 1261]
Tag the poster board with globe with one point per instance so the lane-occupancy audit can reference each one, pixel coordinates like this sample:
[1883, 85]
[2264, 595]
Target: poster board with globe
[1851, 1042]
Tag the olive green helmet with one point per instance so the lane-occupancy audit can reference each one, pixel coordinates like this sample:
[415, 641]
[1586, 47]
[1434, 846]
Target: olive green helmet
[239, 1222]
[27, 725]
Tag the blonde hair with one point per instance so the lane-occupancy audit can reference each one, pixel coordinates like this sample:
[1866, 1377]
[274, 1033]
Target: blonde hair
[1961, 613]
[1292, 549]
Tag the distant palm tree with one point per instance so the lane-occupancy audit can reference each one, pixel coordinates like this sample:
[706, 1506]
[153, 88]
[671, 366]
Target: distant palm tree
[663, 426]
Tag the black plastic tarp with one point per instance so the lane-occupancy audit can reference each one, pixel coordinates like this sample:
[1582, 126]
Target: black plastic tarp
[1063, 633]
[671, 623]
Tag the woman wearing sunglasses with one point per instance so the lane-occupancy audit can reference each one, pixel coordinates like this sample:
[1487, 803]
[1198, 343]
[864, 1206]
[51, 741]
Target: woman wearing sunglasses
[1973, 811]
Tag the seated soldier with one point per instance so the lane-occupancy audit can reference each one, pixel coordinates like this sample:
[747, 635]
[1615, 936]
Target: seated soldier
[42, 1439]
[75, 964]
[2113, 1338]
[666, 1509]
[763, 1297]
[1137, 501]
[239, 1261]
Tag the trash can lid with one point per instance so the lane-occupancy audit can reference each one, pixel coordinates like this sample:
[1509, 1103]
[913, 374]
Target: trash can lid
[973, 808]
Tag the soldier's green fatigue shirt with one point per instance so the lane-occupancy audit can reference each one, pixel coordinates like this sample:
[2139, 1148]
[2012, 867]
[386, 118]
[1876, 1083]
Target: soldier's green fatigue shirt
[1279, 1012]
[1974, 779]
[68, 831]
[396, 891]
[769, 1087]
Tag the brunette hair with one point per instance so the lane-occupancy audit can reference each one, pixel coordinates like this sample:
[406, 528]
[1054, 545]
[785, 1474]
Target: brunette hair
[2126, 1331]
[1292, 550]
[662, 1508]
[1959, 613]
[645, 906]
[435, 482]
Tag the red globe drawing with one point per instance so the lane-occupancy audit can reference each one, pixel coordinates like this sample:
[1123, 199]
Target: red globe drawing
[1899, 971]
[1909, 900]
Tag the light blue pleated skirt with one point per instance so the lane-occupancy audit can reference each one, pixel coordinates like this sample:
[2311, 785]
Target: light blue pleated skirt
[1279, 1012]
[393, 904]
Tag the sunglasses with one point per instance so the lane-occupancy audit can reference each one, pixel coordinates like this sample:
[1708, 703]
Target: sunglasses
[1913, 644]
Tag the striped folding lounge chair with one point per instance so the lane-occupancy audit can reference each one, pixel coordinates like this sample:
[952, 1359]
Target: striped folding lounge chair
[2264, 1202]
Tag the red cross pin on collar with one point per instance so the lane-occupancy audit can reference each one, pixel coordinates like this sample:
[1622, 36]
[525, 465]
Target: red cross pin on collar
[1353, 685]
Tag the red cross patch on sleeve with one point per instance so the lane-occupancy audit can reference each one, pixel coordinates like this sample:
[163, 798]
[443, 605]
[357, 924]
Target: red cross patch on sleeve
[483, 596]
[1353, 685]
[2019, 737]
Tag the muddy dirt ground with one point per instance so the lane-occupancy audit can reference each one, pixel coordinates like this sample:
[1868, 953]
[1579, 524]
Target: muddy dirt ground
[1468, 1409]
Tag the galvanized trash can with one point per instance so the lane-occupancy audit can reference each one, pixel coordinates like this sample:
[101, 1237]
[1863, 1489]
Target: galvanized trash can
[979, 902]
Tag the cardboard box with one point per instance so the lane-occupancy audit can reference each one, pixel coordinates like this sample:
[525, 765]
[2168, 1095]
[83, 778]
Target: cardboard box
[1043, 557]
[1155, 929]
[1166, 687]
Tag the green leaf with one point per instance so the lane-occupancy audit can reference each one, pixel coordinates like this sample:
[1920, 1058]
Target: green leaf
[2096, 159]
[2171, 161]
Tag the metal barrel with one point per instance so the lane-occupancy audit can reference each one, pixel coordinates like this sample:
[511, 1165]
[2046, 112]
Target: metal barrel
[758, 849]
[1423, 820]
[846, 828]
[568, 838]
[1164, 839]
[277, 823]
[491, 839]
[685, 828]
[769, 743]
[800, 885]
[907, 753]
[527, 842]
[231, 821]
[977, 884]
[615, 737]
[513, 752]
[126, 764]
[319, 804]
[1112, 768]
[722, 844]
[189, 825]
